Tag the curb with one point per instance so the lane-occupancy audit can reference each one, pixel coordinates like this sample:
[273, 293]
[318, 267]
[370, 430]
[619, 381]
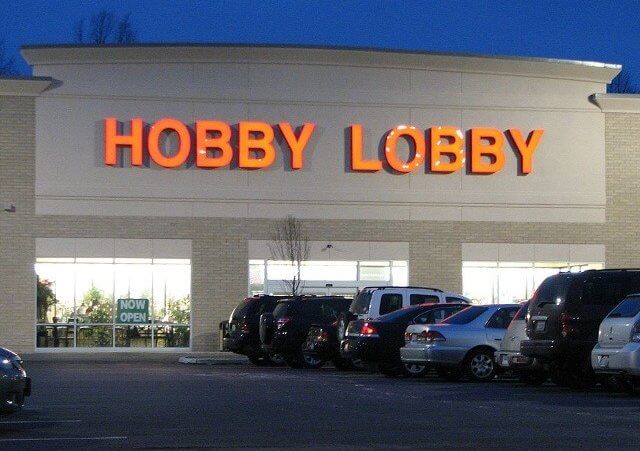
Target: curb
[211, 361]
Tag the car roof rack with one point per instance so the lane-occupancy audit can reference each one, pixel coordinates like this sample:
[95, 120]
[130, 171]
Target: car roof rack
[398, 286]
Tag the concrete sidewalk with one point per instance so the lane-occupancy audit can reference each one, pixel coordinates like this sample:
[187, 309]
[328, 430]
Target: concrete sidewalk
[202, 358]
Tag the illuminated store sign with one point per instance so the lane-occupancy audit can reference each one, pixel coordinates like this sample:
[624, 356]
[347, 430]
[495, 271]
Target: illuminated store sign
[440, 149]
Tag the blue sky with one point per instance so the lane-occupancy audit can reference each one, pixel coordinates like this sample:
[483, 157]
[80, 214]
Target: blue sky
[596, 30]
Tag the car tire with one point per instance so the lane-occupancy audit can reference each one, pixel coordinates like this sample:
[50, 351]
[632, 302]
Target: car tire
[533, 378]
[414, 370]
[310, 362]
[560, 377]
[449, 374]
[479, 366]
[582, 377]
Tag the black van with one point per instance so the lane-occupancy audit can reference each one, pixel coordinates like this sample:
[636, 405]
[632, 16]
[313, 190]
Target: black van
[243, 333]
[285, 330]
[564, 315]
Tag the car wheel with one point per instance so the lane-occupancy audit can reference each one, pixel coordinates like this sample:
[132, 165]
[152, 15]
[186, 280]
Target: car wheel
[560, 377]
[449, 374]
[311, 362]
[533, 378]
[292, 360]
[259, 359]
[277, 359]
[480, 366]
[360, 365]
[414, 369]
[582, 377]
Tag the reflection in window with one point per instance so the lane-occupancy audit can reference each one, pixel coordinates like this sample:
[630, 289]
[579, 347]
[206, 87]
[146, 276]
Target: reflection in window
[490, 282]
[77, 301]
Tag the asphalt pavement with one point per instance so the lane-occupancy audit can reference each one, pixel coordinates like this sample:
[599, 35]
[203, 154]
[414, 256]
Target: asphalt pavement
[155, 405]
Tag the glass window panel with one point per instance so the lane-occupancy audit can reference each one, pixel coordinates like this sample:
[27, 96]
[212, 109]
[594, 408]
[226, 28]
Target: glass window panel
[280, 271]
[479, 284]
[94, 293]
[400, 276]
[56, 279]
[256, 274]
[375, 273]
[95, 336]
[335, 271]
[134, 336]
[171, 293]
[365, 263]
[172, 336]
[58, 336]
[400, 263]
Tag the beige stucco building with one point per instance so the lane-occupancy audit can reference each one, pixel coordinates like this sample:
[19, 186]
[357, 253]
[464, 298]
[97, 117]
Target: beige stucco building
[133, 254]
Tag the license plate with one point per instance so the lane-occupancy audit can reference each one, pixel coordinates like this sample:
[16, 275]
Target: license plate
[505, 360]
[540, 325]
[603, 361]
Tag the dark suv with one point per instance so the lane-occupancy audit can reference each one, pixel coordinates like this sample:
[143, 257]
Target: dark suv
[243, 333]
[285, 330]
[563, 319]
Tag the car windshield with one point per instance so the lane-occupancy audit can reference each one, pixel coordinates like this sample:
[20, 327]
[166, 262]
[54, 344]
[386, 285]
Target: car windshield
[628, 308]
[465, 316]
[360, 304]
[242, 310]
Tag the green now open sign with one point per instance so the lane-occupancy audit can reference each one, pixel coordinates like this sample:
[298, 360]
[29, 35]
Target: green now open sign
[133, 311]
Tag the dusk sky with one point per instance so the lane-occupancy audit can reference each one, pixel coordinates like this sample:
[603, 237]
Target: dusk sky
[606, 31]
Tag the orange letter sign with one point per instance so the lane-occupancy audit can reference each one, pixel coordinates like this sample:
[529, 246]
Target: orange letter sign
[357, 163]
[112, 140]
[390, 148]
[526, 149]
[297, 145]
[247, 142]
[480, 148]
[183, 148]
[204, 142]
[439, 147]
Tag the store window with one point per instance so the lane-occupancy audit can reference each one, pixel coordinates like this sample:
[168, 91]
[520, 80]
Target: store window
[113, 303]
[497, 282]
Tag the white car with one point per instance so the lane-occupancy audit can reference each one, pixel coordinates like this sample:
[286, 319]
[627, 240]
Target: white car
[617, 352]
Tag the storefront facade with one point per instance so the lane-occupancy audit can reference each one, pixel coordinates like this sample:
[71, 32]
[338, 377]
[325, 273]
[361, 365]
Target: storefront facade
[142, 184]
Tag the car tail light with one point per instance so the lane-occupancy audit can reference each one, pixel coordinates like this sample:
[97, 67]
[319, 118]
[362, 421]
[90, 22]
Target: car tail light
[280, 322]
[368, 329]
[568, 325]
[407, 337]
[635, 333]
[244, 328]
[430, 335]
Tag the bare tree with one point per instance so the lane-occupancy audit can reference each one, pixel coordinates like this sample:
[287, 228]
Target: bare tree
[621, 84]
[290, 243]
[7, 63]
[105, 27]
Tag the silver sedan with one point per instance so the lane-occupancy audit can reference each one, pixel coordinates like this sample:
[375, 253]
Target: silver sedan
[462, 344]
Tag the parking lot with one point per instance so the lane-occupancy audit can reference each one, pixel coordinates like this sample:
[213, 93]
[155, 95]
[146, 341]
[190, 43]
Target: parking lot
[165, 405]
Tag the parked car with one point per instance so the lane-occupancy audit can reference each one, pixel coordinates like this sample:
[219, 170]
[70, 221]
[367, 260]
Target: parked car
[509, 358]
[379, 341]
[285, 330]
[15, 385]
[373, 302]
[322, 344]
[243, 331]
[564, 317]
[617, 352]
[463, 344]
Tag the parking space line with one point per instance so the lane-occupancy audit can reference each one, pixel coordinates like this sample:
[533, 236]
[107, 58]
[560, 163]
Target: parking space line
[39, 421]
[51, 439]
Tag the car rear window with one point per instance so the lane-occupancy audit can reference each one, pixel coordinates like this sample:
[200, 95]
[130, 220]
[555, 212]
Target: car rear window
[628, 308]
[243, 309]
[417, 299]
[390, 302]
[465, 316]
[360, 304]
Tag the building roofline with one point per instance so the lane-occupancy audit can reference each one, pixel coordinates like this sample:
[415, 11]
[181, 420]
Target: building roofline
[299, 53]
[18, 85]
[617, 103]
